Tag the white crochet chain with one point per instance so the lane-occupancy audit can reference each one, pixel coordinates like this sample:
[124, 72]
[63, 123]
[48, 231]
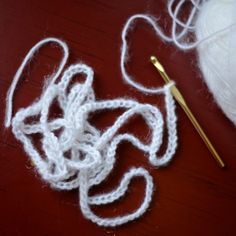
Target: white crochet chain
[92, 153]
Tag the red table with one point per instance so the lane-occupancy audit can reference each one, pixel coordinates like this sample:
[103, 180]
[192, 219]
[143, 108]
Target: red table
[193, 196]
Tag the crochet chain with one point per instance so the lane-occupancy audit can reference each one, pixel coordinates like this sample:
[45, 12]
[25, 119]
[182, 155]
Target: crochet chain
[92, 153]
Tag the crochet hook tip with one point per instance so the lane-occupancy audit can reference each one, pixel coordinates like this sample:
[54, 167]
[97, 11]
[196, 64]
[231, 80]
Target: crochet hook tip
[157, 64]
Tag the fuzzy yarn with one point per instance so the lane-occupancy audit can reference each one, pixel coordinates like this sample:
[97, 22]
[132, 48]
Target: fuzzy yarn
[81, 156]
[217, 56]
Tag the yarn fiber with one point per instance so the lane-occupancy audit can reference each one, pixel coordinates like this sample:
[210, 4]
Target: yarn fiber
[76, 154]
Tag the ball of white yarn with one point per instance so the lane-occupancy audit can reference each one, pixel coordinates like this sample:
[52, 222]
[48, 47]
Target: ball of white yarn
[217, 55]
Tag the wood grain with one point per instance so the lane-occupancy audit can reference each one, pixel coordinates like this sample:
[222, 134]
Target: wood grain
[193, 196]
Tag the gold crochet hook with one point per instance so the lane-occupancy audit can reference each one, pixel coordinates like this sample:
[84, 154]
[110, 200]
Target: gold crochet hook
[178, 96]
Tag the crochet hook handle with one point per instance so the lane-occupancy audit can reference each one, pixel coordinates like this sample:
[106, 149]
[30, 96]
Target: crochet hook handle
[180, 99]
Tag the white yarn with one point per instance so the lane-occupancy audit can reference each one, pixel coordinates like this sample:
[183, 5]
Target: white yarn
[21, 68]
[92, 153]
[217, 57]
[214, 24]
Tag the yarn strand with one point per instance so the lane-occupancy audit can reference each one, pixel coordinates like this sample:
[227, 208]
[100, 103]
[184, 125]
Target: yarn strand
[28, 57]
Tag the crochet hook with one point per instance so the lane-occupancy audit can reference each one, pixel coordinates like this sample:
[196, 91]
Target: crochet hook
[180, 99]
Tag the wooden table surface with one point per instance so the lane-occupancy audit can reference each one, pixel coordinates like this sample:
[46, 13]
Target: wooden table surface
[192, 195]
